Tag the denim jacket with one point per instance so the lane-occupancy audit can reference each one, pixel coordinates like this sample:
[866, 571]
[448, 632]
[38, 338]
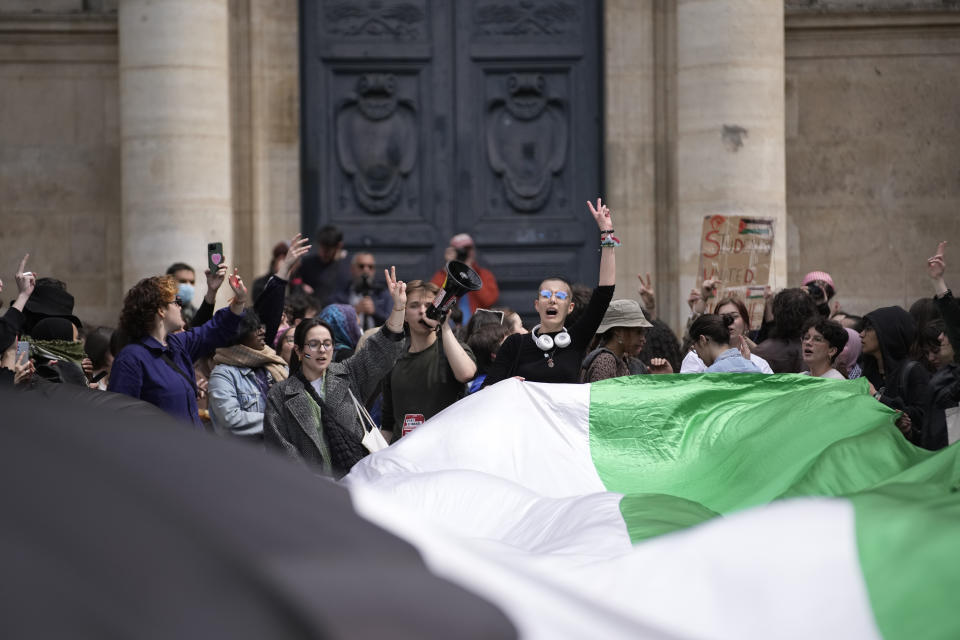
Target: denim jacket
[731, 361]
[235, 402]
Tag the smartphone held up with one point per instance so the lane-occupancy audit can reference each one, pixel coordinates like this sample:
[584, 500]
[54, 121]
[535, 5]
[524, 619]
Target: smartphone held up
[214, 256]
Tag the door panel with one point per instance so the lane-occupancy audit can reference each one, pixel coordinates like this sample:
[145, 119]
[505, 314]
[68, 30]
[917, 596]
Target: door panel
[422, 119]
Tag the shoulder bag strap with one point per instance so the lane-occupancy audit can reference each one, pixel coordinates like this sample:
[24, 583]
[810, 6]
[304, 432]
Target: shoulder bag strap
[362, 413]
[173, 365]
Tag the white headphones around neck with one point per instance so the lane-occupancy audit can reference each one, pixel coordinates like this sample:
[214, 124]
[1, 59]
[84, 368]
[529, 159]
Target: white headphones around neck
[545, 342]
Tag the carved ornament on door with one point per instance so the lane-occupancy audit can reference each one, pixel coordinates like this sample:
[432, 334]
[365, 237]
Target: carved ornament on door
[377, 141]
[526, 140]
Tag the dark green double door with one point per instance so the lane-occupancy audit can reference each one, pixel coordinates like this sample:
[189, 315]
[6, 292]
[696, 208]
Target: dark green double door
[425, 118]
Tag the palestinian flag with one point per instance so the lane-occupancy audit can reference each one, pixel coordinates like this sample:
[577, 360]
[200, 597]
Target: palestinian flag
[756, 226]
[684, 506]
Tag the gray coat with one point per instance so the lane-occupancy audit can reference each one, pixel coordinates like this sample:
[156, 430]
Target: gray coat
[291, 425]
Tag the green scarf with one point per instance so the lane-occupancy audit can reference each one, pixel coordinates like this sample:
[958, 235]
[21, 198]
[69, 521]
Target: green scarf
[56, 350]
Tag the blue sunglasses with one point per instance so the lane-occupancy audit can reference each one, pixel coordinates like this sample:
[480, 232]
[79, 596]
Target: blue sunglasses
[546, 294]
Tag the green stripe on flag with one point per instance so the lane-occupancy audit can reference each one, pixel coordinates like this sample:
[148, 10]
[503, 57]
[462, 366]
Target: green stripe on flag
[908, 538]
[652, 514]
[727, 442]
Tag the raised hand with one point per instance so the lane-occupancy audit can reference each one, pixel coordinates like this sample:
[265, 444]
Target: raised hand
[397, 288]
[398, 291]
[298, 248]
[647, 294]
[26, 281]
[608, 242]
[936, 266]
[214, 280]
[709, 288]
[239, 289]
[744, 347]
[768, 304]
[601, 214]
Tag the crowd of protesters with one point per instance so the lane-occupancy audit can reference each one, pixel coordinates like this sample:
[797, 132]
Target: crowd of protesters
[324, 358]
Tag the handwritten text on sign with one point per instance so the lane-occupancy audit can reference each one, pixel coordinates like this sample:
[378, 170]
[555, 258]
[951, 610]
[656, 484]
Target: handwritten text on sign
[738, 251]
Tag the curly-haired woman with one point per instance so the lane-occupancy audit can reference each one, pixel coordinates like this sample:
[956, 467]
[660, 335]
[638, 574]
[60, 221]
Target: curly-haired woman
[157, 364]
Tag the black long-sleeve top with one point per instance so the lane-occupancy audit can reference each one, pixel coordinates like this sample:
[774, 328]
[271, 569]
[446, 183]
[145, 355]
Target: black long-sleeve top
[950, 312]
[11, 324]
[268, 305]
[519, 354]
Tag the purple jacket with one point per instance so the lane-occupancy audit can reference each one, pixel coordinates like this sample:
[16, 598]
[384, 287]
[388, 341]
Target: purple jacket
[140, 370]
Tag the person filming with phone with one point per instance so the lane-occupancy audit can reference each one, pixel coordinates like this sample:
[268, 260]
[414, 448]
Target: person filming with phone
[157, 364]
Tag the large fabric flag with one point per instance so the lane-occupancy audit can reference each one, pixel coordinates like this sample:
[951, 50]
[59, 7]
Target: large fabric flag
[694, 506]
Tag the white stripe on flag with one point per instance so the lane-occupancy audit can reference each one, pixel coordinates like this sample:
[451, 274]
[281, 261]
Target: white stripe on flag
[786, 570]
[534, 434]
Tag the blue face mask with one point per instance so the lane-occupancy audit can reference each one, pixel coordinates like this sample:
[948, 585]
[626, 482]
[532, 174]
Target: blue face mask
[185, 292]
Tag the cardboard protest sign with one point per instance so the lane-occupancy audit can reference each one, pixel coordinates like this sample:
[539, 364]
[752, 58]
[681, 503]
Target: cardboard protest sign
[738, 251]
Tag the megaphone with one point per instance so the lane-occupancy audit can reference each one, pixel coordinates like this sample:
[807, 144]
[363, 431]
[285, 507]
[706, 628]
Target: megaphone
[460, 280]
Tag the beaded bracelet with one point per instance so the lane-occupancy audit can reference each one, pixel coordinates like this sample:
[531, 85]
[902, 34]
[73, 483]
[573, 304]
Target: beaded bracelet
[605, 231]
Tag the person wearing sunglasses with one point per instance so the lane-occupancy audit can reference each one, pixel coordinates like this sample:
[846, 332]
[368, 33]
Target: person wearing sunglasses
[156, 365]
[311, 416]
[551, 352]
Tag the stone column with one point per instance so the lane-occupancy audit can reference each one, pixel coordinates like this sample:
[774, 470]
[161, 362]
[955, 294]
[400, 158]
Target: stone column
[175, 134]
[730, 126]
[630, 137]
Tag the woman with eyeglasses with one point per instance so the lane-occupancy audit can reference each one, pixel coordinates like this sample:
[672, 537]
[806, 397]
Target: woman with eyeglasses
[552, 352]
[312, 416]
[822, 343]
[157, 363]
[244, 374]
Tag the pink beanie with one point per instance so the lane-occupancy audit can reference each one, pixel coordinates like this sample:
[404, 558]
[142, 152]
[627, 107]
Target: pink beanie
[818, 275]
[851, 352]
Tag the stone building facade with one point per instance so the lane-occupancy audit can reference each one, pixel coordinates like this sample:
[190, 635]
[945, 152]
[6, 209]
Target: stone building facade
[133, 132]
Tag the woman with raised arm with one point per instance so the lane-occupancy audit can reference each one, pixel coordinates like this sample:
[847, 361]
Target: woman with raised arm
[312, 416]
[157, 365]
[551, 352]
[945, 384]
